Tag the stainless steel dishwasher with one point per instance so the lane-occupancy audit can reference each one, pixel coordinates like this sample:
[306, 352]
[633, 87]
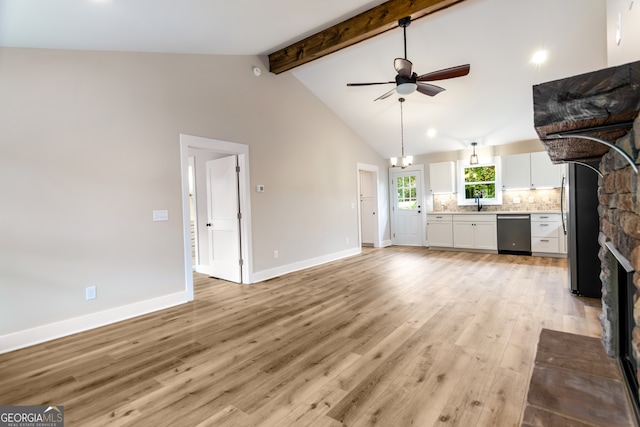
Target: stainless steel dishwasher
[514, 234]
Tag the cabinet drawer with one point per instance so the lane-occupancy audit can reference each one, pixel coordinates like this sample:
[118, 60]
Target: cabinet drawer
[545, 229]
[439, 218]
[545, 217]
[545, 244]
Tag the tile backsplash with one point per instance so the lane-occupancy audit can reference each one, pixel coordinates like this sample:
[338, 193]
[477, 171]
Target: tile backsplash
[529, 201]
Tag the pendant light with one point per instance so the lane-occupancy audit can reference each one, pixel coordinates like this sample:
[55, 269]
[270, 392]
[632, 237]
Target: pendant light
[474, 157]
[405, 161]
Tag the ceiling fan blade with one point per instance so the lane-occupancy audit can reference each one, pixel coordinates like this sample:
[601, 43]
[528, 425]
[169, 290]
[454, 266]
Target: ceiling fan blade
[403, 67]
[447, 73]
[386, 95]
[368, 84]
[429, 89]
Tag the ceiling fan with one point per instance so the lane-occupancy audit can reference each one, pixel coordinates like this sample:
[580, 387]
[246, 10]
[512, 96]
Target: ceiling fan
[408, 82]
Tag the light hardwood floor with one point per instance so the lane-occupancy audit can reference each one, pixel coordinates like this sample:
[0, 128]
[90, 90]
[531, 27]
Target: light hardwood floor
[400, 336]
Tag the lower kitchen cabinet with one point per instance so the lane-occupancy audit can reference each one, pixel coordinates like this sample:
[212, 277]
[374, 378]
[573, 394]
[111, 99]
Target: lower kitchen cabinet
[440, 230]
[475, 232]
[547, 236]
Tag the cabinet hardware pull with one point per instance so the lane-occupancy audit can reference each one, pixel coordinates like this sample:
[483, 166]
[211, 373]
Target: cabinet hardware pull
[544, 225]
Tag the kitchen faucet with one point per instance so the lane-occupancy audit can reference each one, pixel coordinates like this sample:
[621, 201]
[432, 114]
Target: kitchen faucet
[478, 195]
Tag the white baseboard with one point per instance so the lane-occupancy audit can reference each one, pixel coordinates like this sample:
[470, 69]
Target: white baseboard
[202, 269]
[40, 334]
[260, 276]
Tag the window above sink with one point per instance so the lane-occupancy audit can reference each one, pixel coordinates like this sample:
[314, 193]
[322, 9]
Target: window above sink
[480, 183]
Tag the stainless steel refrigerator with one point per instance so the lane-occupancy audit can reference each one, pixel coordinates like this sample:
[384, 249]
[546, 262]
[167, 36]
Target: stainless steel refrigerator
[582, 226]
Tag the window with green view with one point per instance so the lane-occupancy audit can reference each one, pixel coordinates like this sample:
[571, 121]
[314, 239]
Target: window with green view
[407, 194]
[480, 181]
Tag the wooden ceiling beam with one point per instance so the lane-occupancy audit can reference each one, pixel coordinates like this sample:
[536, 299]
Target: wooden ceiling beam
[361, 27]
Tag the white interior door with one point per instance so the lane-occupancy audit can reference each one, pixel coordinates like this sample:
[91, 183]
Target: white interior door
[407, 207]
[223, 223]
[367, 208]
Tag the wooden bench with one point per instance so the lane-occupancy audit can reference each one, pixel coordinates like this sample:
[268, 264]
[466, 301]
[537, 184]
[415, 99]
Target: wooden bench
[575, 384]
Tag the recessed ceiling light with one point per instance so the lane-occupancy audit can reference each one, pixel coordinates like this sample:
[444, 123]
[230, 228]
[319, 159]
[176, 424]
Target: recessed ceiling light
[431, 133]
[540, 57]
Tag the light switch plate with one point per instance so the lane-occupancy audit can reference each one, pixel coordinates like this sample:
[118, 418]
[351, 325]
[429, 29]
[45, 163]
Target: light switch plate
[161, 215]
[259, 188]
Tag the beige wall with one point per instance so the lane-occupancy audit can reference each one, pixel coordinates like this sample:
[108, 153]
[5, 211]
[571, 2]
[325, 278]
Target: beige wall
[89, 147]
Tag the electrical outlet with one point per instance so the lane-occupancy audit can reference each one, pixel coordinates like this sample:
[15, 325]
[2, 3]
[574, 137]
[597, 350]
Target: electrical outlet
[516, 200]
[531, 199]
[90, 293]
[275, 254]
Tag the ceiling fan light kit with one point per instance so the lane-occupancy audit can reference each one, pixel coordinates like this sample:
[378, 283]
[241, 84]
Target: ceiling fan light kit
[406, 88]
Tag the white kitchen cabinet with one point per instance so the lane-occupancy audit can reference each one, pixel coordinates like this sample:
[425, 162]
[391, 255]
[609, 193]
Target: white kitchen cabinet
[477, 231]
[544, 174]
[530, 171]
[516, 172]
[442, 177]
[440, 230]
[547, 236]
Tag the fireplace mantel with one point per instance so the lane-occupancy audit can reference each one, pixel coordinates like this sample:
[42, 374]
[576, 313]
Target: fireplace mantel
[602, 104]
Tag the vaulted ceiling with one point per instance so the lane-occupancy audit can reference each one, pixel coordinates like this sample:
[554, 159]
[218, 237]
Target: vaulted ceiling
[492, 105]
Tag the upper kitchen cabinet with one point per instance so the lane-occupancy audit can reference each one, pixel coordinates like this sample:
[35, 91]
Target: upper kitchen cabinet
[545, 174]
[442, 177]
[530, 171]
[516, 172]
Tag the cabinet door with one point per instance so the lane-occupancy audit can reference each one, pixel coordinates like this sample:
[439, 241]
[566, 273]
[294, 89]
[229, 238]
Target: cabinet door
[442, 177]
[440, 234]
[516, 171]
[545, 174]
[463, 235]
[485, 236]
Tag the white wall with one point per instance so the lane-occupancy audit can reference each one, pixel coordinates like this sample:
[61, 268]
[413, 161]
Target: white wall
[628, 50]
[89, 147]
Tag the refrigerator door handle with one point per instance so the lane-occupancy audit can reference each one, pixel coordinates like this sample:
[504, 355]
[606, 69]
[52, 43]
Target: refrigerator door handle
[564, 225]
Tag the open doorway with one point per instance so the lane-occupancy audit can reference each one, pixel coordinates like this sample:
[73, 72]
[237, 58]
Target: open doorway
[203, 150]
[368, 215]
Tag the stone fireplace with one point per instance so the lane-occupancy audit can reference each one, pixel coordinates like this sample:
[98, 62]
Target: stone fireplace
[619, 238]
[578, 120]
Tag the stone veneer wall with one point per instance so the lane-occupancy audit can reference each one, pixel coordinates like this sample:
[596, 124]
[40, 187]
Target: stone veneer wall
[619, 210]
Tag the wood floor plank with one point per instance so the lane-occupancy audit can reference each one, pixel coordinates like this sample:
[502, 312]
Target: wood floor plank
[401, 336]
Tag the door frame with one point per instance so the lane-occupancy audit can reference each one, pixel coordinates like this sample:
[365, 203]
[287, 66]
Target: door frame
[373, 169]
[242, 151]
[392, 198]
